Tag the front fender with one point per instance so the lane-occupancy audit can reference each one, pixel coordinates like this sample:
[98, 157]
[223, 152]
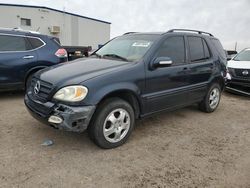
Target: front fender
[101, 93]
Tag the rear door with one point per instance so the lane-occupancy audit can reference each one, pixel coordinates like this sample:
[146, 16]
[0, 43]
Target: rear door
[167, 87]
[16, 57]
[201, 66]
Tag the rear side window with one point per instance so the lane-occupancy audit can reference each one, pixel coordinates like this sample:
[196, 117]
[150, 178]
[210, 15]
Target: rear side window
[198, 49]
[219, 48]
[13, 43]
[35, 42]
[174, 48]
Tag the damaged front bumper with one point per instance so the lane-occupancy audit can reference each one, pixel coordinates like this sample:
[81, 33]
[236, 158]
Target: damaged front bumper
[60, 116]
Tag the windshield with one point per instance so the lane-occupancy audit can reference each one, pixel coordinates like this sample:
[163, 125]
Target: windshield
[243, 56]
[127, 47]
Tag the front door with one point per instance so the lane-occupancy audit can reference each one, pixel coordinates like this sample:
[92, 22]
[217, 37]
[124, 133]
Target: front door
[166, 87]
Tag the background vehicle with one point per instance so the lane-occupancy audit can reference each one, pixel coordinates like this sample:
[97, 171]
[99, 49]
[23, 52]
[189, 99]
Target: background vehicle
[132, 76]
[238, 77]
[22, 53]
[75, 52]
[231, 54]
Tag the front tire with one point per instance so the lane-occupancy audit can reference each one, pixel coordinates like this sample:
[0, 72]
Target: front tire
[211, 100]
[112, 124]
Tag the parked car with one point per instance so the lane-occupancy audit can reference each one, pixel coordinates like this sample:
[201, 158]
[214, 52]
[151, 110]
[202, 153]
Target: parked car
[75, 52]
[231, 54]
[133, 76]
[22, 53]
[238, 77]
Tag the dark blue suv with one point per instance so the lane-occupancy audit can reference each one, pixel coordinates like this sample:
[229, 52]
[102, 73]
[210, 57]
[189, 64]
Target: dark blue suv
[22, 53]
[132, 76]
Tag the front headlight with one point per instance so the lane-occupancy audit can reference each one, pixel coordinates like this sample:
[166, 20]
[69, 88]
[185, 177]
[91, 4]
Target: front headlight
[71, 93]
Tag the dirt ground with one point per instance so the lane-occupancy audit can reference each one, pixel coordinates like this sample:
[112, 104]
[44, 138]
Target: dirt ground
[185, 148]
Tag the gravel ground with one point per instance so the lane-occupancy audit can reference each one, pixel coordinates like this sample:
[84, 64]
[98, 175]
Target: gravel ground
[185, 148]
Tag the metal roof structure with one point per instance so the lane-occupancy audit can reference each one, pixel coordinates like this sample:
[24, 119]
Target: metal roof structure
[43, 7]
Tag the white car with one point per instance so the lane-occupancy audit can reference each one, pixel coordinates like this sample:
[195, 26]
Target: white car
[238, 76]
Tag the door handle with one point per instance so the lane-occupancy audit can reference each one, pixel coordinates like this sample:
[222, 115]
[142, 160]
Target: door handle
[185, 68]
[28, 57]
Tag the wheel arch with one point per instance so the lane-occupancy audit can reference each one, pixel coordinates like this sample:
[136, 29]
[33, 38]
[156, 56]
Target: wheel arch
[31, 71]
[220, 80]
[126, 94]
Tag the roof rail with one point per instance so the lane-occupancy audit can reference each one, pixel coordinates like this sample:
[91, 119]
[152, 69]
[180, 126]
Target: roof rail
[129, 33]
[18, 29]
[190, 30]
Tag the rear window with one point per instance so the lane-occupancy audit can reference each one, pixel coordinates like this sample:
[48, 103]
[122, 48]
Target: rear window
[13, 43]
[35, 42]
[219, 48]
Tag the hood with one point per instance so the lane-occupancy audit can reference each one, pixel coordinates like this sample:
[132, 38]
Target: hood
[79, 70]
[238, 64]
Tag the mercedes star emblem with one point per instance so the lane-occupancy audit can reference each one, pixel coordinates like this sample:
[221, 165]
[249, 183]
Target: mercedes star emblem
[37, 87]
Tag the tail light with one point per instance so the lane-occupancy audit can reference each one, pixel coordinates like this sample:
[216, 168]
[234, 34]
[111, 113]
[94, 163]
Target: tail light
[61, 53]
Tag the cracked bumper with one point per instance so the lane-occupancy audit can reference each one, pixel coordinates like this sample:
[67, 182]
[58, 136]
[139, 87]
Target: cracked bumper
[75, 119]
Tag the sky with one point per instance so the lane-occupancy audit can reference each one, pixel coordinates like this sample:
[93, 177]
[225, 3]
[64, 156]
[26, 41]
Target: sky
[228, 20]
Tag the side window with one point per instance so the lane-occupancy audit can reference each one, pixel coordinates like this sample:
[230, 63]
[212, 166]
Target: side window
[206, 50]
[35, 43]
[174, 48]
[13, 43]
[196, 48]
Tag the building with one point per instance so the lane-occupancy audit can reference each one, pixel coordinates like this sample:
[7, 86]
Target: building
[71, 29]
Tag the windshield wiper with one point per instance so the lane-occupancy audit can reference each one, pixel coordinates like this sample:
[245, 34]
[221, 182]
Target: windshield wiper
[115, 56]
[97, 55]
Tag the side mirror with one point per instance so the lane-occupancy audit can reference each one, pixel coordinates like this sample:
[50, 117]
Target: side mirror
[162, 62]
[229, 58]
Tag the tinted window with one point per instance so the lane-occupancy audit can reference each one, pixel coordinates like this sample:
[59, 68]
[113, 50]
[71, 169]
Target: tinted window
[219, 48]
[206, 50]
[13, 43]
[196, 48]
[174, 48]
[35, 43]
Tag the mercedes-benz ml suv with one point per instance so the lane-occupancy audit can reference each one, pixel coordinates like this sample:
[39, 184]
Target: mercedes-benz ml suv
[133, 76]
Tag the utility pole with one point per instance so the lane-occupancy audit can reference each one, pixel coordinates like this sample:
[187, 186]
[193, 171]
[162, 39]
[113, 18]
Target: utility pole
[235, 47]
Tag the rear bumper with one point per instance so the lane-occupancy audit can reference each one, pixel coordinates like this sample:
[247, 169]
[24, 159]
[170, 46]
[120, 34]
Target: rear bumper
[75, 119]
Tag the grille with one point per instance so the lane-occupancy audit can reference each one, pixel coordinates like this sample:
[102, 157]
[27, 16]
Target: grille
[239, 73]
[39, 109]
[45, 89]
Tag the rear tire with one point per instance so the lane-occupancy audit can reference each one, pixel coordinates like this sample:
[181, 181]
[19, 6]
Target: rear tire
[112, 123]
[211, 100]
